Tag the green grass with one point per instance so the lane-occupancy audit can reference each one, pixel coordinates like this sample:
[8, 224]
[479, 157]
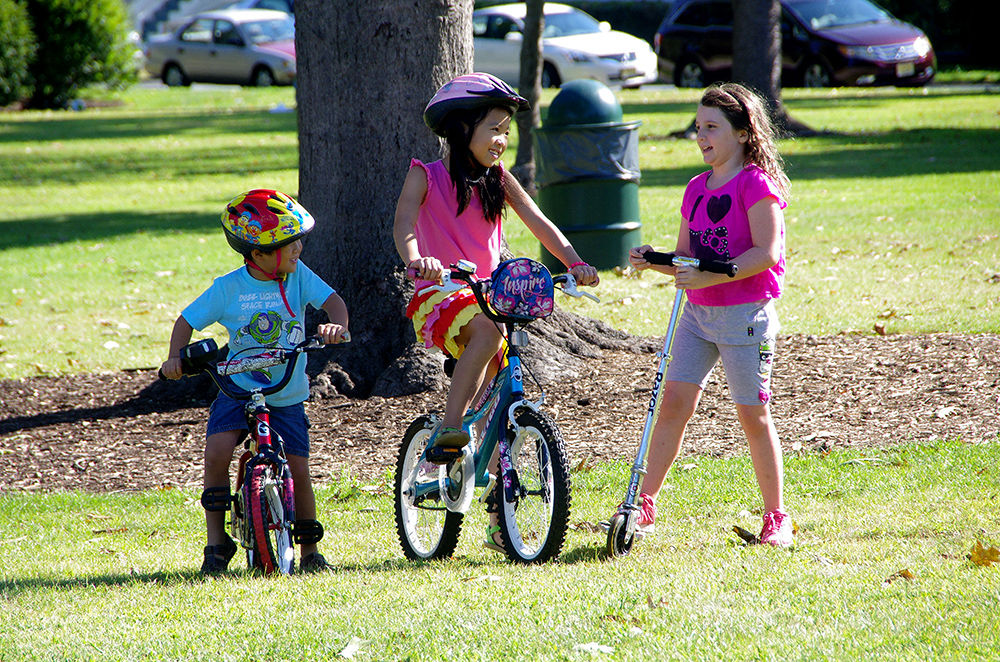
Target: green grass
[111, 222]
[113, 576]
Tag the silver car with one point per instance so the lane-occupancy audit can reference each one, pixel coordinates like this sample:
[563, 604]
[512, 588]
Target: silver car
[242, 46]
[574, 45]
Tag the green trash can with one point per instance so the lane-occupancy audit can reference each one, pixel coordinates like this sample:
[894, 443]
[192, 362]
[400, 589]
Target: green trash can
[587, 174]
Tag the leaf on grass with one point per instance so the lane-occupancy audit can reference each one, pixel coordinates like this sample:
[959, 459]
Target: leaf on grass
[352, 648]
[101, 532]
[984, 556]
[656, 603]
[589, 527]
[902, 574]
[585, 464]
[746, 536]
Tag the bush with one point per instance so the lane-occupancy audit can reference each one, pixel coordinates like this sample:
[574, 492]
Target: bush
[80, 43]
[17, 47]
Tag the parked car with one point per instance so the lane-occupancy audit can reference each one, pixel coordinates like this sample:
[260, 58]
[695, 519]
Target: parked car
[242, 46]
[823, 43]
[574, 45]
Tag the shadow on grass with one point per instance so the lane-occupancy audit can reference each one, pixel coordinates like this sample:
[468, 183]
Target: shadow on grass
[902, 153]
[98, 226]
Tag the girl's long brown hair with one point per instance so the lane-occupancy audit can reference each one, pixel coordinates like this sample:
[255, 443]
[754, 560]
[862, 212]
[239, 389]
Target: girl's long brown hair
[467, 174]
[745, 111]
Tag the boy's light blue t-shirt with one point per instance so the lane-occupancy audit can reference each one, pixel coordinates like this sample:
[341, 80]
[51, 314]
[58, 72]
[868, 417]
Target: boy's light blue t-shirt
[256, 317]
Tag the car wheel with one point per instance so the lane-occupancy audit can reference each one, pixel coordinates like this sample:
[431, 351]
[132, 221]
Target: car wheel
[262, 77]
[173, 76]
[689, 73]
[550, 77]
[816, 74]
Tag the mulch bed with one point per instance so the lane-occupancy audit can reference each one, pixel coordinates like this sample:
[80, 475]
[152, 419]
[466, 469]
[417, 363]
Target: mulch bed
[126, 431]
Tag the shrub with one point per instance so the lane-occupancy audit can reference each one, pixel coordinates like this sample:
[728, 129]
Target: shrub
[80, 43]
[17, 47]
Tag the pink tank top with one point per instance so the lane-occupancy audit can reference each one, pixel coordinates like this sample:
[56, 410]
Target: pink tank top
[450, 237]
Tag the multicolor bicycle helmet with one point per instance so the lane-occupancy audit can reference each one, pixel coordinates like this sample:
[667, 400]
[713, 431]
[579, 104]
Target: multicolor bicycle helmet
[265, 220]
[470, 91]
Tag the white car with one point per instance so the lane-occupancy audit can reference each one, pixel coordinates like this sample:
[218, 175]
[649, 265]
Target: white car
[574, 45]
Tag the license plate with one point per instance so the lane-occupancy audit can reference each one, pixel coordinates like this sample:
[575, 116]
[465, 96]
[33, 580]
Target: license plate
[627, 72]
[905, 70]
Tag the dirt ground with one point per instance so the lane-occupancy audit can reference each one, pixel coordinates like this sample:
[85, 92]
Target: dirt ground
[126, 431]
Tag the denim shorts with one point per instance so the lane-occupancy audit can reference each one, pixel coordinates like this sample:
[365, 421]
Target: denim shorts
[743, 336]
[226, 415]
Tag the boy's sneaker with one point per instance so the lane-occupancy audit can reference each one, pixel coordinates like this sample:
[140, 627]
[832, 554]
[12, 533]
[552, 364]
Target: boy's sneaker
[217, 557]
[777, 529]
[314, 563]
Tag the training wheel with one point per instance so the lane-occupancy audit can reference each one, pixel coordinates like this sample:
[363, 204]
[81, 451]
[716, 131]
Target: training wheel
[619, 538]
[457, 482]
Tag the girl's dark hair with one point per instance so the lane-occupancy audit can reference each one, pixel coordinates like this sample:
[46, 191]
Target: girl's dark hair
[467, 174]
[746, 111]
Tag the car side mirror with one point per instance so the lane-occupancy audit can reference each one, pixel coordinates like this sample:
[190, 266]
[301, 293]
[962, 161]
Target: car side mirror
[604, 26]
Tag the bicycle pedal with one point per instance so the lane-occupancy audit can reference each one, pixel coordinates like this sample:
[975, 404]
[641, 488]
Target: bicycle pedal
[443, 455]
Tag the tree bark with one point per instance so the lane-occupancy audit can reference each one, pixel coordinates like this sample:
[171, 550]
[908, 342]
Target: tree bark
[365, 72]
[530, 87]
[757, 56]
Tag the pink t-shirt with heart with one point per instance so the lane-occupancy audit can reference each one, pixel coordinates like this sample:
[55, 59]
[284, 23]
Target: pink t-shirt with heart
[719, 229]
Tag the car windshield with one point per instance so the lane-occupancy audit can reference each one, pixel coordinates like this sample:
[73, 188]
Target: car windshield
[820, 14]
[567, 23]
[263, 32]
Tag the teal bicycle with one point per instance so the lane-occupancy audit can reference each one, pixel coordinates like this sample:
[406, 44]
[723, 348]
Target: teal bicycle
[531, 490]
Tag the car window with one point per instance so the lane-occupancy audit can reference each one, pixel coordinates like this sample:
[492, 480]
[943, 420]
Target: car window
[706, 14]
[497, 27]
[820, 14]
[279, 5]
[226, 33]
[200, 31]
[263, 32]
[567, 23]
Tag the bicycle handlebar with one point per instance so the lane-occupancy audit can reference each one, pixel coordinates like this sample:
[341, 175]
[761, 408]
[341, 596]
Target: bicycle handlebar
[714, 266]
[220, 371]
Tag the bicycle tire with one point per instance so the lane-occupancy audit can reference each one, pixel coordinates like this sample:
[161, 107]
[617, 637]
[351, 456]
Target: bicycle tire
[426, 529]
[272, 542]
[533, 525]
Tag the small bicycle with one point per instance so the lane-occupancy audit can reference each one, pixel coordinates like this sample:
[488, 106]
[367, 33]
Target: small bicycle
[532, 491]
[622, 526]
[262, 509]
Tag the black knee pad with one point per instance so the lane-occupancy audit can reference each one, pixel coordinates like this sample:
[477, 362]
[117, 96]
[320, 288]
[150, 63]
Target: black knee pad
[216, 499]
[307, 532]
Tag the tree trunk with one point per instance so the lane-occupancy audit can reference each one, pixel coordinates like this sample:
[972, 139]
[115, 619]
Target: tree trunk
[365, 72]
[530, 82]
[757, 55]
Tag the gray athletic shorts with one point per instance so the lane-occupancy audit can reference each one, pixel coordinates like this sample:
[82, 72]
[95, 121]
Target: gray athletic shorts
[743, 336]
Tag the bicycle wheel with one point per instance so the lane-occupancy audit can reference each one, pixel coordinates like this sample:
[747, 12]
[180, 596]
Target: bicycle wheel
[426, 528]
[272, 540]
[533, 524]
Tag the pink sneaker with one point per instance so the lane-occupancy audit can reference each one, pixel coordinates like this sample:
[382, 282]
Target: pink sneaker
[647, 515]
[777, 529]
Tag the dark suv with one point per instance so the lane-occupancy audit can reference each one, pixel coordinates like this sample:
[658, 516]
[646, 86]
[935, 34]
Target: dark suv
[823, 43]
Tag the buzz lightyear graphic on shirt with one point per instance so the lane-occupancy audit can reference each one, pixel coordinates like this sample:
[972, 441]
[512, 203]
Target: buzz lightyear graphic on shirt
[269, 329]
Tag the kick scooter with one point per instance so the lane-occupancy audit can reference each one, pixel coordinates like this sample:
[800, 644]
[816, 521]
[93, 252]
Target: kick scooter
[622, 528]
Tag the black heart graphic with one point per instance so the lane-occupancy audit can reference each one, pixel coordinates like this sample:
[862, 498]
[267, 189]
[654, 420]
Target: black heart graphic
[717, 208]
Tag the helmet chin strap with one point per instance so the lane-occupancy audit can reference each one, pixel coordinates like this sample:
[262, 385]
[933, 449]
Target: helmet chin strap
[272, 276]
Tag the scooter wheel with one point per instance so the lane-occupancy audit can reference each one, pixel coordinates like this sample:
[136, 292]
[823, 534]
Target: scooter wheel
[619, 539]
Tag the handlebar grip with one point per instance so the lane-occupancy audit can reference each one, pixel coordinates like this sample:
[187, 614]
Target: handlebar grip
[714, 266]
[717, 267]
[655, 257]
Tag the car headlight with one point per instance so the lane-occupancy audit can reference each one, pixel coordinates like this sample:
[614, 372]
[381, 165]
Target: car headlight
[922, 45]
[577, 56]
